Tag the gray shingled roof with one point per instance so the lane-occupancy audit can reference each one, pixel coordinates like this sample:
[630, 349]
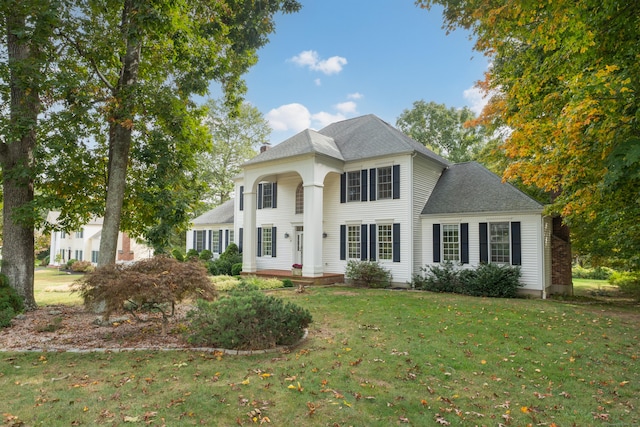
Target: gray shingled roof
[354, 139]
[222, 214]
[470, 188]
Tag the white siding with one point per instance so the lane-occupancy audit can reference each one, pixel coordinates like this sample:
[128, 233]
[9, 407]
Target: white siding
[532, 238]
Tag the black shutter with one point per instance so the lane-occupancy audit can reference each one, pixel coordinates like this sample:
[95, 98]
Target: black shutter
[464, 243]
[274, 195]
[516, 245]
[436, 242]
[343, 242]
[259, 196]
[343, 188]
[484, 243]
[210, 240]
[259, 252]
[242, 197]
[219, 241]
[273, 241]
[195, 237]
[363, 185]
[226, 239]
[396, 242]
[396, 181]
[372, 242]
[372, 184]
[240, 238]
[363, 242]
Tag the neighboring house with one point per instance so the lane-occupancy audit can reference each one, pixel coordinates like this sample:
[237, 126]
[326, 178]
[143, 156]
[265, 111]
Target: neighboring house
[213, 230]
[84, 244]
[360, 189]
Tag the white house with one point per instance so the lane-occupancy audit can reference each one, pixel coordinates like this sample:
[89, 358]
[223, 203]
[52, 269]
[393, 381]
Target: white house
[213, 230]
[84, 244]
[360, 189]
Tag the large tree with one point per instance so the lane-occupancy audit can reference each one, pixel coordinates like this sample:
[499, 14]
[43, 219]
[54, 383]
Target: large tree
[136, 52]
[28, 25]
[564, 79]
[443, 130]
[235, 137]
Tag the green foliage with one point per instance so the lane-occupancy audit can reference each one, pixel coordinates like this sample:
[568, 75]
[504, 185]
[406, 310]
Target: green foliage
[177, 254]
[223, 265]
[10, 302]
[597, 273]
[206, 255]
[70, 263]
[368, 273]
[45, 261]
[487, 280]
[628, 282]
[247, 319]
[224, 283]
[443, 130]
[262, 283]
[287, 283]
[192, 254]
[236, 269]
[82, 267]
[151, 283]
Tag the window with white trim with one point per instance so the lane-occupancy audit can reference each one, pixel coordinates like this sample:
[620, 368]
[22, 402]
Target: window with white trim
[266, 241]
[215, 241]
[499, 243]
[267, 195]
[384, 183]
[451, 242]
[94, 257]
[198, 244]
[80, 234]
[385, 242]
[300, 199]
[78, 255]
[353, 241]
[231, 237]
[353, 186]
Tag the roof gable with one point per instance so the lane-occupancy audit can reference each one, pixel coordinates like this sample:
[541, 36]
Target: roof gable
[472, 188]
[348, 140]
[222, 214]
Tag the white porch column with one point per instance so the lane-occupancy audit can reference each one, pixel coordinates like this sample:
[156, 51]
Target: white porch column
[249, 238]
[312, 265]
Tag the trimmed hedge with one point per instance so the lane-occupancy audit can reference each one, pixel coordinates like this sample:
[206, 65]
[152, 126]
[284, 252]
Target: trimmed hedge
[11, 303]
[247, 319]
[369, 273]
[487, 280]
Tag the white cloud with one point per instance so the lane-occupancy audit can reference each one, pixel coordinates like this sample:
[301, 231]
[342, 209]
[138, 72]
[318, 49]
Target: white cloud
[323, 118]
[318, 82]
[346, 107]
[295, 117]
[355, 95]
[311, 59]
[475, 98]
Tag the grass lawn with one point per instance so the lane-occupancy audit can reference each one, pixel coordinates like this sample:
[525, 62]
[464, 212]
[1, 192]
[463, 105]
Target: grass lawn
[53, 287]
[373, 358]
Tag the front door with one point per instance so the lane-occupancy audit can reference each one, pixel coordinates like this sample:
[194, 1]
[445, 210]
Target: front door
[299, 245]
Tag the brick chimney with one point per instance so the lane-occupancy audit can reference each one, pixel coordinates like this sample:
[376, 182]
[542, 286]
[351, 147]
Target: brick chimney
[264, 148]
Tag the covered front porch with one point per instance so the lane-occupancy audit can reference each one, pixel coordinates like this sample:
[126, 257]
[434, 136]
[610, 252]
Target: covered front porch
[325, 279]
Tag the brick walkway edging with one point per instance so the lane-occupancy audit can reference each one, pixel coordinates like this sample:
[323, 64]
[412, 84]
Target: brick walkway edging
[278, 349]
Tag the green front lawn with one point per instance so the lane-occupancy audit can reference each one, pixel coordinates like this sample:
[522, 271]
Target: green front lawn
[373, 358]
[54, 287]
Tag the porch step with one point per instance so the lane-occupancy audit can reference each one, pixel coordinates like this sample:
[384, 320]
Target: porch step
[325, 279]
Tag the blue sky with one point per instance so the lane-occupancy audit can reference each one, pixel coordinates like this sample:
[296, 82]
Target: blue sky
[337, 59]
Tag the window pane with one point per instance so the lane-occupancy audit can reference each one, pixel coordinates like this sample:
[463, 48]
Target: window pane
[353, 186]
[385, 243]
[267, 195]
[300, 199]
[499, 241]
[450, 242]
[215, 237]
[199, 243]
[266, 241]
[384, 183]
[353, 242]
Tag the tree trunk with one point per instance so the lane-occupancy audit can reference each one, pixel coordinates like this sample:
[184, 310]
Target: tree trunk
[16, 157]
[120, 138]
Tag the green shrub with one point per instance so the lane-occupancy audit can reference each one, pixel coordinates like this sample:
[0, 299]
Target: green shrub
[287, 283]
[177, 254]
[597, 273]
[368, 273]
[206, 255]
[45, 261]
[236, 269]
[70, 263]
[224, 283]
[247, 319]
[262, 283]
[487, 280]
[224, 264]
[192, 254]
[10, 302]
[628, 282]
[155, 284]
